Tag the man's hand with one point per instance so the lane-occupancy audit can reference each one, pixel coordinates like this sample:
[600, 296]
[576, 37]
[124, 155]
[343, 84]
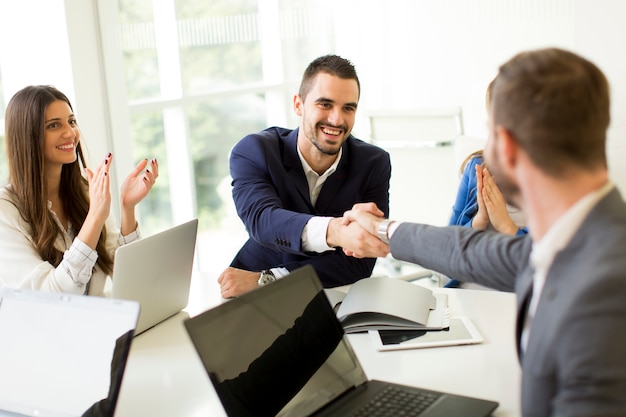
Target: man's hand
[356, 232]
[234, 282]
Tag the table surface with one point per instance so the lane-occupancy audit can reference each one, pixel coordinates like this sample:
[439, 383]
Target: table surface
[165, 377]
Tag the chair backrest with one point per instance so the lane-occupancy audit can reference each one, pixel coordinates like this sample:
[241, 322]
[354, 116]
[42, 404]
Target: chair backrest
[428, 127]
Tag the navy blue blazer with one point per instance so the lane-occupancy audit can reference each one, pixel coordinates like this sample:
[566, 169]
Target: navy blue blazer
[271, 195]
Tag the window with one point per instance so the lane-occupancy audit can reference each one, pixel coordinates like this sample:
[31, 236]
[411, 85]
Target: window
[4, 169]
[198, 76]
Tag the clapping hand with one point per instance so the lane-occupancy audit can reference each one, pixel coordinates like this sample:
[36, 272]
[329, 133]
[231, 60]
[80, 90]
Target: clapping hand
[491, 205]
[139, 183]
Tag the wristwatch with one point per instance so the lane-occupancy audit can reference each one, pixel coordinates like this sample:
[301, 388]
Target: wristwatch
[383, 230]
[266, 277]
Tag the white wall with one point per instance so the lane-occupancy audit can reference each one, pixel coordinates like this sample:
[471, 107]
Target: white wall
[34, 46]
[418, 53]
[409, 53]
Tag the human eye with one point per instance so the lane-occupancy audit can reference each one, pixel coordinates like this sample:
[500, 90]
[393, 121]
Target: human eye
[349, 109]
[52, 125]
[73, 122]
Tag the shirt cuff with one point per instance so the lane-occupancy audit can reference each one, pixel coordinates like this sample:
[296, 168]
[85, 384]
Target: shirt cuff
[280, 272]
[392, 228]
[131, 237]
[78, 262]
[314, 235]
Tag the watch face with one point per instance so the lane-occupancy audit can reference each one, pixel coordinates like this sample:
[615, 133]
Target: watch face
[266, 278]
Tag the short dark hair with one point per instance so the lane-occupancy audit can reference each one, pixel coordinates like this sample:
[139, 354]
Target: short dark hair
[329, 64]
[556, 105]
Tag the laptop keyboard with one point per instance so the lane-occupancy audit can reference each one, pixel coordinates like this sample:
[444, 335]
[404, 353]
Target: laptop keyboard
[394, 401]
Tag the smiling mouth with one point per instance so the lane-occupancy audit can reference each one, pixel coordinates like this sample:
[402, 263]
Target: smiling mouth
[330, 131]
[67, 147]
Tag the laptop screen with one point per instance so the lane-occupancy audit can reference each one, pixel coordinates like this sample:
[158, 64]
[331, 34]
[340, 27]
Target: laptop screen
[62, 355]
[278, 350]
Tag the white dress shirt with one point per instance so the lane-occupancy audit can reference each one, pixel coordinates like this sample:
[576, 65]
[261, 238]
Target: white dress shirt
[314, 232]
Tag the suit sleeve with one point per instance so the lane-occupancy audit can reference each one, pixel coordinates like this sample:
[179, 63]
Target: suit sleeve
[256, 196]
[460, 252]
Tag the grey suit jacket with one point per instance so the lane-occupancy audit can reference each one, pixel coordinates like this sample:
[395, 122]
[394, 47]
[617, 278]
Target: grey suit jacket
[575, 361]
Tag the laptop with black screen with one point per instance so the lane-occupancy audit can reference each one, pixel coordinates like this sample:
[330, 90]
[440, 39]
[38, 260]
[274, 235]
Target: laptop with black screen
[62, 355]
[280, 351]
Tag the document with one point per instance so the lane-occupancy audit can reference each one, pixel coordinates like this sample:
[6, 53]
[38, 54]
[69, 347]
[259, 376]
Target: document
[382, 303]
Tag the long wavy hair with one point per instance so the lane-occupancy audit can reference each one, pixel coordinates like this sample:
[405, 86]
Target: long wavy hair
[24, 138]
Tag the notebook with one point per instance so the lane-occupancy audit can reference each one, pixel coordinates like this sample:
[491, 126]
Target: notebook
[62, 355]
[156, 271]
[280, 350]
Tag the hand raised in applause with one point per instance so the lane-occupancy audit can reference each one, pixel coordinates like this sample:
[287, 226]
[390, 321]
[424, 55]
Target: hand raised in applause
[494, 203]
[99, 192]
[139, 183]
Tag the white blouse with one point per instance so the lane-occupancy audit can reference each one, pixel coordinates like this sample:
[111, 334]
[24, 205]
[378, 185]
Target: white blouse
[22, 267]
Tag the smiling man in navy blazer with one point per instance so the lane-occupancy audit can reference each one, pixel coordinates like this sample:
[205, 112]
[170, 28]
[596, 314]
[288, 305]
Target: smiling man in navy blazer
[291, 187]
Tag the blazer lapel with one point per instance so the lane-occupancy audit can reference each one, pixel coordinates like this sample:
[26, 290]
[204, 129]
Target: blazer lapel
[293, 166]
[334, 183]
[525, 292]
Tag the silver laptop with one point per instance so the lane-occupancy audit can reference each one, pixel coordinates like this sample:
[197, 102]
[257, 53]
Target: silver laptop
[156, 271]
[280, 351]
[62, 355]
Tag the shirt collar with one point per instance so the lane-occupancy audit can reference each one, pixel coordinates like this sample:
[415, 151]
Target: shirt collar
[561, 232]
[307, 168]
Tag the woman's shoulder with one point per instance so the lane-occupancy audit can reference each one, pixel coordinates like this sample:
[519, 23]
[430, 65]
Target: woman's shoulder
[6, 194]
[8, 207]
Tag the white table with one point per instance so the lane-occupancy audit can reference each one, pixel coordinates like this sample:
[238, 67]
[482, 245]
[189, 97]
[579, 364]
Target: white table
[164, 376]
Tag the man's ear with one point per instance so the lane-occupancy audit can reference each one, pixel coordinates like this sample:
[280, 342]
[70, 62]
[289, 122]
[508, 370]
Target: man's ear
[508, 148]
[297, 104]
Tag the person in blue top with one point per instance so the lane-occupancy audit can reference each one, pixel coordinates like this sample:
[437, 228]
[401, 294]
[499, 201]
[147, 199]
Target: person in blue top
[487, 209]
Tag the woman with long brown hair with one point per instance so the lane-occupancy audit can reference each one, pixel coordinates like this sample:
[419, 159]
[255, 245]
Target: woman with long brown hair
[55, 229]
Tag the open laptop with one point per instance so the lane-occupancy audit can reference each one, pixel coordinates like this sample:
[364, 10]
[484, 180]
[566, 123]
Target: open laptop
[280, 351]
[156, 271]
[62, 355]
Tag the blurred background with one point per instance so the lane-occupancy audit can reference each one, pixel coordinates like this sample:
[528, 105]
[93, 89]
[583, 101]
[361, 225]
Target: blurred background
[184, 80]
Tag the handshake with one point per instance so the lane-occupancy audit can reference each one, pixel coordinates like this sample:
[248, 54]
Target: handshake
[357, 232]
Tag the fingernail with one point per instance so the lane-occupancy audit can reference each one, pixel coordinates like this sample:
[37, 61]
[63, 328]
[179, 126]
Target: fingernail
[105, 173]
[109, 155]
[147, 170]
[106, 161]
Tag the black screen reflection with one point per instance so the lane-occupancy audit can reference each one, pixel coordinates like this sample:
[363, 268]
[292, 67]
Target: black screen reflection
[106, 406]
[281, 371]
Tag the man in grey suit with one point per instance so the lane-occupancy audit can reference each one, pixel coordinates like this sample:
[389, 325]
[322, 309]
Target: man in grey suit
[546, 150]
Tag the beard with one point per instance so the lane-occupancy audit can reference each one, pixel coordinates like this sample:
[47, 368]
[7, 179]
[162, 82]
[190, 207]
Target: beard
[311, 133]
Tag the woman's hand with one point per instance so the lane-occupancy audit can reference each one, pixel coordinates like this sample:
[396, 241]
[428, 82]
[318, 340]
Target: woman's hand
[496, 205]
[134, 189]
[139, 183]
[99, 203]
[481, 218]
[100, 191]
